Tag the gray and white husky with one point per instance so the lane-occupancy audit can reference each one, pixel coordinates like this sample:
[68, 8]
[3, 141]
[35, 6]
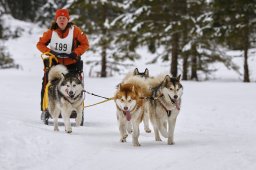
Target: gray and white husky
[164, 105]
[65, 95]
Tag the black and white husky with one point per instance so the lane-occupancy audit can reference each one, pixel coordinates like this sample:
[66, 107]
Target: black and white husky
[164, 105]
[65, 95]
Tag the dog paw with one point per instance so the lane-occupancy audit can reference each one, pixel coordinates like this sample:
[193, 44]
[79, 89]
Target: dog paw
[170, 142]
[135, 141]
[123, 140]
[136, 144]
[68, 130]
[159, 139]
[147, 130]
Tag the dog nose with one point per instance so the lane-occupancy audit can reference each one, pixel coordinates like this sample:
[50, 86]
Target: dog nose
[175, 96]
[125, 108]
[70, 93]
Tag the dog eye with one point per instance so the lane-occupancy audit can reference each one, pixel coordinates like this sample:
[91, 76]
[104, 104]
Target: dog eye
[171, 88]
[130, 101]
[74, 85]
[122, 100]
[68, 86]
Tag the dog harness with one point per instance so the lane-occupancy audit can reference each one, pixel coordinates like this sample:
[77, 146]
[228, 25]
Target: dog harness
[169, 112]
[62, 45]
[64, 97]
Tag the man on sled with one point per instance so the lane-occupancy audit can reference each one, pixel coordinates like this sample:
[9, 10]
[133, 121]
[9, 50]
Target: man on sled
[66, 45]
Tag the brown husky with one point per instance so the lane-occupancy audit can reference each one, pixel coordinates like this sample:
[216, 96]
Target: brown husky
[130, 107]
[145, 77]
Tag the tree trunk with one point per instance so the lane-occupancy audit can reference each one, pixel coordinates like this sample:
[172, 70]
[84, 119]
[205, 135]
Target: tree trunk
[184, 40]
[194, 63]
[246, 47]
[104, 45]
[175, 17]
[1, 29]
[103, 72]
[185, 67]
[246, 67]
[175, 51]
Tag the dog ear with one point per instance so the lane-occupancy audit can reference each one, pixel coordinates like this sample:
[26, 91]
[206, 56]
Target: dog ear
[79, 77]
[133, 89]
[166, 81]
[178, 78]
[136, 71]
[119, 86]
[146, 72]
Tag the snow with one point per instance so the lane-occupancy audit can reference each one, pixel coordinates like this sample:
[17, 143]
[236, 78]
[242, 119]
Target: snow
[214, 129]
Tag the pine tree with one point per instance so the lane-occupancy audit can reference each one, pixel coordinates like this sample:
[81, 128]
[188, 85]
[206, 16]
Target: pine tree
[1, 27]
[147, 26]
[46, 12]
[197, 44]
[184, 39]
[199, 36]
[159, 23]
[23, 9]
[95, 17]
[5, 60]
[235, 23]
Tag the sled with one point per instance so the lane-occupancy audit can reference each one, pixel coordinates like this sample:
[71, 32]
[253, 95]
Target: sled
[49, 60]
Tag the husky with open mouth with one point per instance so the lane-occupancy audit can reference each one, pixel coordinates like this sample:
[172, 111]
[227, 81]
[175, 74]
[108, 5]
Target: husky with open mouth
[130, 107]
[164, 105]
[65, 95]
[145, 77]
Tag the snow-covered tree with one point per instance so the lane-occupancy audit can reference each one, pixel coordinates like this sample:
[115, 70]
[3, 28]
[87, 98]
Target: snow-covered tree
[152, 23]
[22, 9]
[235, 23]
[95, 18]
[45, 14]
[196, 41]
[5, 60]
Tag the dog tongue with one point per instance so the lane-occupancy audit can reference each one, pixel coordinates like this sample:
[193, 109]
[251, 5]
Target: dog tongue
[177, 104]
[128, 115]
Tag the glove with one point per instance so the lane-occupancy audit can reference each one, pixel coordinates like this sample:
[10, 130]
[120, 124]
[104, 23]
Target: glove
[54, 53]
[60, 55]
[72, 56]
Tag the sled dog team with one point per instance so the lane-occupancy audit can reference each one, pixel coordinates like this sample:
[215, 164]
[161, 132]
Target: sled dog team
[139, 97]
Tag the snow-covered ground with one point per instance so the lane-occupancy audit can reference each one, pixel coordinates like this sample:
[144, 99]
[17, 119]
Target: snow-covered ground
[214, 131]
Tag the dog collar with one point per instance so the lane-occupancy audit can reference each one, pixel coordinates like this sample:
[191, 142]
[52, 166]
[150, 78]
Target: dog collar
[62, 95]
